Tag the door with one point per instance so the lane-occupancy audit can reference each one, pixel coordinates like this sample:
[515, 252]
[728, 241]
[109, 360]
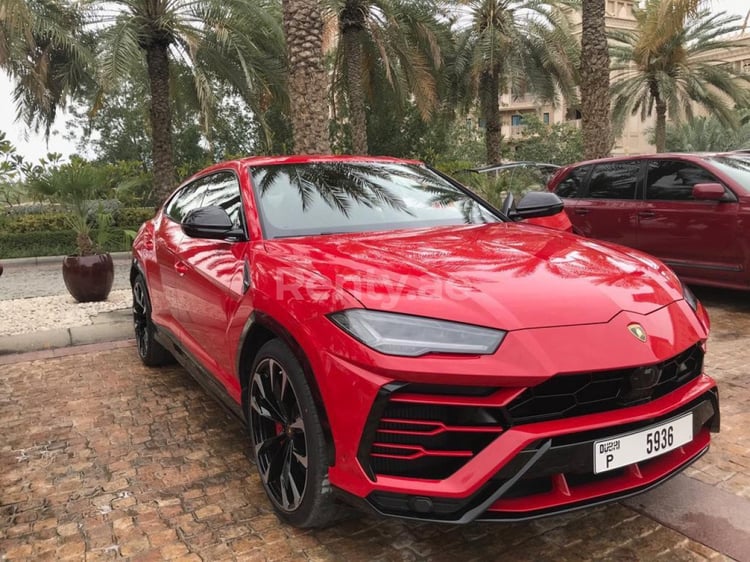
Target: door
[699, 239]
[212, 278]
[168, 241]
[608, 209]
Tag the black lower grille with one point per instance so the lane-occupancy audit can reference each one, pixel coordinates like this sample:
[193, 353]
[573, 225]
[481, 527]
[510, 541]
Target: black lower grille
[428, 440]
[565, 396]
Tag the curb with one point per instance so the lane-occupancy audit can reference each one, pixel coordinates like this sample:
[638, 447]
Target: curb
[41, 260]
[108, 327]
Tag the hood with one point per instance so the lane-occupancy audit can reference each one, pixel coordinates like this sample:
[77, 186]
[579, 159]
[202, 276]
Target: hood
[504, 275]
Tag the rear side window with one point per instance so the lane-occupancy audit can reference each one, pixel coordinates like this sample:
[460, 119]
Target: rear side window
[614, 180]
[572, 185]
[672, 180]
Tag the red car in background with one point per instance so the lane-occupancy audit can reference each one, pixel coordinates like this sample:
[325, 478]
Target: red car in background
[392, 340]
[692, 211]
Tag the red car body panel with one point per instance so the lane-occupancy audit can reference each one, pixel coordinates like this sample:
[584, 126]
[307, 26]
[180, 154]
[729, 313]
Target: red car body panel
[565, 302]
[705, 242]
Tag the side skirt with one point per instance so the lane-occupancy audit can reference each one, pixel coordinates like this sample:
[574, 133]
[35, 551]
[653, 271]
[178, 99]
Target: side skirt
[201, 375]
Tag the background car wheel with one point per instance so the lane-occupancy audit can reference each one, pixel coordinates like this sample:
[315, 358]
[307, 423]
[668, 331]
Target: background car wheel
[151, 352]
[288, 440]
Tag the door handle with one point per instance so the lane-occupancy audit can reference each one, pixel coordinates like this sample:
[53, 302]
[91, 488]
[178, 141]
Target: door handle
[646, 214]
[581, 211]
[181, 268]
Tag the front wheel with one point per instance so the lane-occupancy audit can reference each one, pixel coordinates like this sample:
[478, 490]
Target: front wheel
[288, 439]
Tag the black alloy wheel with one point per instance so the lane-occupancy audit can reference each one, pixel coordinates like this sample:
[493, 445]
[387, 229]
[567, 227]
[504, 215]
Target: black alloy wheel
[151, 352]
[288, 440]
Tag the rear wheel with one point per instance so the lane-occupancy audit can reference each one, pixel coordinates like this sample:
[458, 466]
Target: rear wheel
[151, 352]
[288, 439]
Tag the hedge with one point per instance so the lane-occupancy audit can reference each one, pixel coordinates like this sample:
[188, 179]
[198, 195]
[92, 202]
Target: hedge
[54, 243]
[56, 220]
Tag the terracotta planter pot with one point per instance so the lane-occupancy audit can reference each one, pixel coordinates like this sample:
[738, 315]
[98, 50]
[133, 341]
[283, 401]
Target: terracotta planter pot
[89, 278]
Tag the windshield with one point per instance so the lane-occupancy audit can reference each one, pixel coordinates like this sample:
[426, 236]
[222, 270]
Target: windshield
[736, 167]
[329, 197]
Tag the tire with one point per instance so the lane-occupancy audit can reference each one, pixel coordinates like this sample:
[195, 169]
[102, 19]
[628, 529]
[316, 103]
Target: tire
[288, 441]
[151, 352]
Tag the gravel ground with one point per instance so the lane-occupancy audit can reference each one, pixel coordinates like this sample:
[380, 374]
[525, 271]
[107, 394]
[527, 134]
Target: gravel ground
[21, 282]
[23, 316]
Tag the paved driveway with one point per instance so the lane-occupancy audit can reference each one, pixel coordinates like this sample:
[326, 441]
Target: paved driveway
[101, 458]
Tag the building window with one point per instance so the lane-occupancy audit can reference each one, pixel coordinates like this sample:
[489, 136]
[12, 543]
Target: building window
[516, 120]
[545, 118]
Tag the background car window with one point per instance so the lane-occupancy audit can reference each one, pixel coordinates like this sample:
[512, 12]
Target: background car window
[223, 190]
[673, 180]
[187, 199]
[614, 180]
[572, 185]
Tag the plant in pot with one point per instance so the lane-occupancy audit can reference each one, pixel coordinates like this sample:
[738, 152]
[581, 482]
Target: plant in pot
[89, 273]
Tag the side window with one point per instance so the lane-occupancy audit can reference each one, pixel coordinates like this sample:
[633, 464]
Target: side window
[614, 180]
[223, 190]
[572, 185]
[672, 180]
[188, 198]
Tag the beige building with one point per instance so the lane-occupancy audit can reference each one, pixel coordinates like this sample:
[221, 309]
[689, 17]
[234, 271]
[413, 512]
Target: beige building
[634, 136]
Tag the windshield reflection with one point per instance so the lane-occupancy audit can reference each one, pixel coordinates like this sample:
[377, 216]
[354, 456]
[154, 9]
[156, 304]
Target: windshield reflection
[327, 197]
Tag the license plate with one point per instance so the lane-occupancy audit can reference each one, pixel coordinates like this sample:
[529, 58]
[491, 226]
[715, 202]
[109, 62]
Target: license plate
[641, 445]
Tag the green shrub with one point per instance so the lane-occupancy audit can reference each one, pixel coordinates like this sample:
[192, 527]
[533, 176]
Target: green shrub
[57, 221]
[132, 215]
[55, 243]
[36, 223]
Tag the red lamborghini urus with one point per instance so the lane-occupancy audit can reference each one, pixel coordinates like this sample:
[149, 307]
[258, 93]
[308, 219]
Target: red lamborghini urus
[392, 340]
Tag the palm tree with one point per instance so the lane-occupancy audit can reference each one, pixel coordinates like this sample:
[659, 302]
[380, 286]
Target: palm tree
[307, 76]
[237, 41]
[396, 43]
[679, 74]
[595, 97]
[707, 134]
[45, 50]
[521, 45]
[595, 65]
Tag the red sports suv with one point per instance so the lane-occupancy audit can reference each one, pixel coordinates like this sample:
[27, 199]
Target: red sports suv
[393, 341]
[692, 211]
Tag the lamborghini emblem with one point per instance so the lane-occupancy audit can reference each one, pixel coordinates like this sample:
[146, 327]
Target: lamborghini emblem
[638, 331]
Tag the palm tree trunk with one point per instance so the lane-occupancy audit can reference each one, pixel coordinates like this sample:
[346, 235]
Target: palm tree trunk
[352, 21]
[157, 61]
[308, 80]
[595, 96]
[489, 84]
[661, 125]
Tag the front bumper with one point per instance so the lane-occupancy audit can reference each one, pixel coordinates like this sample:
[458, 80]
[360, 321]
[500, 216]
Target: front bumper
[486, 446]
[554, 474]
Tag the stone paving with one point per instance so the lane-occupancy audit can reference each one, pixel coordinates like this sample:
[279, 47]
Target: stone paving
[102, 458]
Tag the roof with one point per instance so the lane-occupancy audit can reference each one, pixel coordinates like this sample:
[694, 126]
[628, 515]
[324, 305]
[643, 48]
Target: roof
[319, 158]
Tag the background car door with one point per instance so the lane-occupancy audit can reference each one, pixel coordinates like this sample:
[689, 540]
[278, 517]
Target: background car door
[213, 277]
[697, 238]
[570, 189]
[608, 209]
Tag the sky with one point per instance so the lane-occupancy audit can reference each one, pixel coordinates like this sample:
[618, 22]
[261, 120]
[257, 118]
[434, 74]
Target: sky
[33, 146]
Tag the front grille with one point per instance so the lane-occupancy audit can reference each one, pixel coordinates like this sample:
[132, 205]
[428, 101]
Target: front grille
[429, 440]
[565, 396]
[431, 431]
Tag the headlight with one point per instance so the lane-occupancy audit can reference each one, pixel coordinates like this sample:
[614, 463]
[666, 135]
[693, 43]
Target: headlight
[411, 336]
[690, 298]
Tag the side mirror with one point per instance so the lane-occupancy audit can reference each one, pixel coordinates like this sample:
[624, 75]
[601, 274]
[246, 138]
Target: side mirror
[708, 192]
[537, 204]
[210, 222]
